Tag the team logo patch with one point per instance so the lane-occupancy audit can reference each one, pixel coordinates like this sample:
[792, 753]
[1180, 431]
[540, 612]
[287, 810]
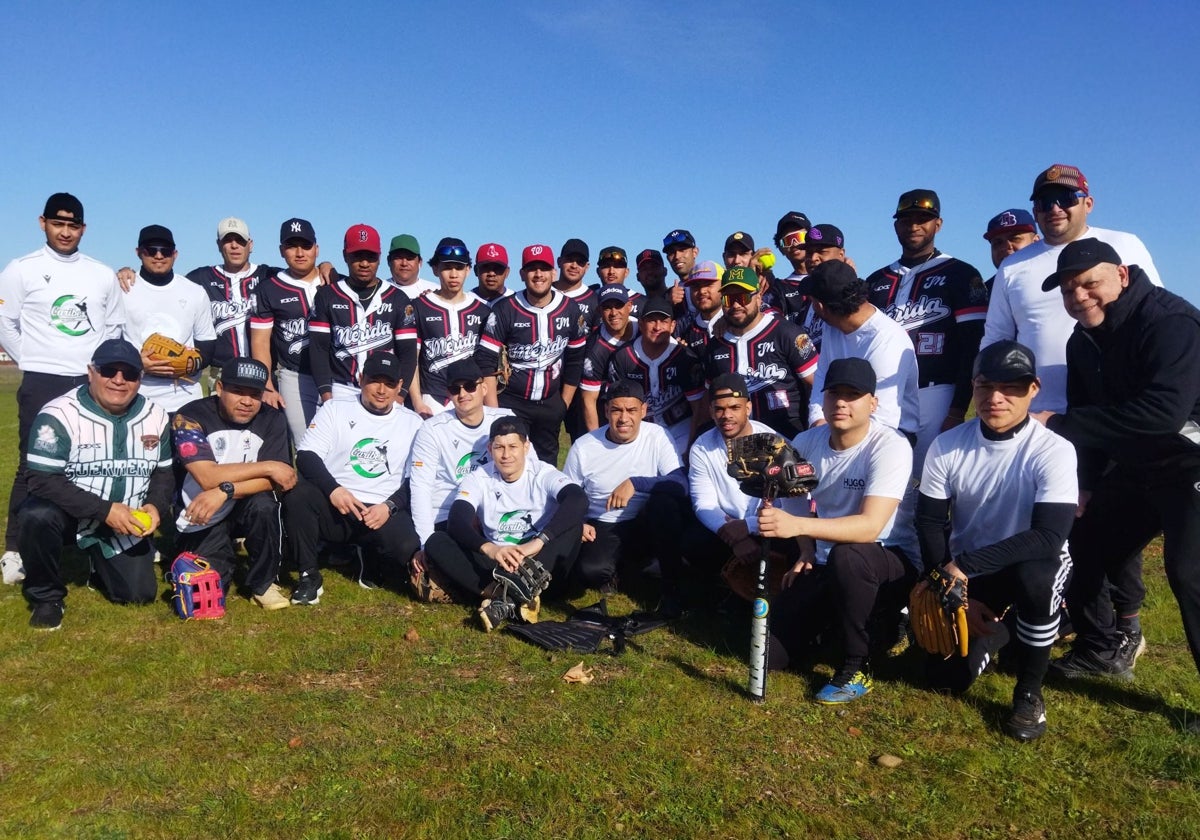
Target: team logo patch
[47, 439]
[69, 315]
[1052, 173]
[514, 525]
[150, 441]
[368, 458]
[802, 342]
[465, 465]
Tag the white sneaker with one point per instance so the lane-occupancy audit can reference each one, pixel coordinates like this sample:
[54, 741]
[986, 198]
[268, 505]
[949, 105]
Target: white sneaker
[275, 598]
[13, 567]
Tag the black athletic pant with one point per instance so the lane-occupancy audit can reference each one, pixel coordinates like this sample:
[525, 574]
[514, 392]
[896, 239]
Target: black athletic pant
[255, 518]
[471, 571]
[1035, 589]
[544, 418]
[127, 578]
[310, 517]
[1126, 511]
[654, 532]
[35, 391]
[860, 579]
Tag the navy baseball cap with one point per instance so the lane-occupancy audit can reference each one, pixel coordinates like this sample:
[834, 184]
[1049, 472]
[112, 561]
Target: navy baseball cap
[1010, 221]
[824, 236]
[1081, 255]
[1005, 361]
[615, 292]
[297, 229]
[117, 351]
[678, 238]
[853, 373]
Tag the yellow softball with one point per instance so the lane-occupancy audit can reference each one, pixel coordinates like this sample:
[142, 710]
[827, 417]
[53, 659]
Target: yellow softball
[143, 519]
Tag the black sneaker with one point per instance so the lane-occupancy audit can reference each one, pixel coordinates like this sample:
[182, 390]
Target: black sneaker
[1132, 646]
[309, 590]
[1028, 718]
[609, 587]
[47, 615]
[494, 613]
[1084, 662]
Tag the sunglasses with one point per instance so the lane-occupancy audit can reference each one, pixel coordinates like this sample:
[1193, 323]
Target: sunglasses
[1064, 199]
[794, 239]
[739, 298]
[157, 250]
[923, 204]
[677, 239]
[458, 387]
[612, 257]
[492, 268]
[452, 253]
[110, 372]
[613, 264]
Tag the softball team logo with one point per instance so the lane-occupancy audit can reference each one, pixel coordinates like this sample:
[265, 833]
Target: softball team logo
[368, 458]
[514, 525]
[466, 464]
[69, 315]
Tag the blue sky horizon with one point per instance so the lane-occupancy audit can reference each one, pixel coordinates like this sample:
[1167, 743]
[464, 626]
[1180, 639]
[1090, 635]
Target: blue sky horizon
[613, 122]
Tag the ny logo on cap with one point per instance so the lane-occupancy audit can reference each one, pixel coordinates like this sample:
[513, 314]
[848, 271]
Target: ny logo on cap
[1007, 220]
[296, 227]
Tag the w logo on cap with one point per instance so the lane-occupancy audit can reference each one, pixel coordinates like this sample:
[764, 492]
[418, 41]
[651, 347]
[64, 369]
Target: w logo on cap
[536, 251]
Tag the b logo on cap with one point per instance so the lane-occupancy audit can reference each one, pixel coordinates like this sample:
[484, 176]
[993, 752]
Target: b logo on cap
[492, 252]
[362, 236]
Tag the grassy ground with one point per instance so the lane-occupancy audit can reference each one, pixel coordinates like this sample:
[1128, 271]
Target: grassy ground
[372, 716]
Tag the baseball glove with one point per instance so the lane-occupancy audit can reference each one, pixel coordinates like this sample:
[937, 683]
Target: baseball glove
[766, 467]
[427, 585]
[195, 588]
[937, 613]
[523, 585]
[185, 361]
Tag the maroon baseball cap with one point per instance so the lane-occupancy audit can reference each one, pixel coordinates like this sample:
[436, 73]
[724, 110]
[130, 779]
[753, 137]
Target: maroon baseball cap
[649, 255]
[538, 254]
[362, 238]
[1060, 175]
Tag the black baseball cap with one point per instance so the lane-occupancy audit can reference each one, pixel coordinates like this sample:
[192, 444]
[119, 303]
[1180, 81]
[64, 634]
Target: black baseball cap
[650, 255]
[508, 425]
[613, 253]
[117, 351]
[450, 250]
[729, 385]
[577, 247]
[382, 364]
[297, 229]
[739, 242]
[1081, 255]
[656, 306]
[464, 370]
[824, 236]
[625, 388]
[828, 281]
[791, 220]
[853, 373]
[1005, 361]
[152, 234]
[64, 203]
[246, 372]
[919, 201]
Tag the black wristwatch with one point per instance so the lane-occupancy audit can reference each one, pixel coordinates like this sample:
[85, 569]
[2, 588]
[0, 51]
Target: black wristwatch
[226, 487]
[391, 506]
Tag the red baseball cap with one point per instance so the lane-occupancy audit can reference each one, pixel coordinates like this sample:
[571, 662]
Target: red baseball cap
[362, 238]
[537, 253]
[491, 252]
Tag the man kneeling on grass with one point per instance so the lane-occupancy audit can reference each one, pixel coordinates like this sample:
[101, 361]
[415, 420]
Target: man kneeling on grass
[855, 557]
[525, 508]
[99, 458]
[1008, 487]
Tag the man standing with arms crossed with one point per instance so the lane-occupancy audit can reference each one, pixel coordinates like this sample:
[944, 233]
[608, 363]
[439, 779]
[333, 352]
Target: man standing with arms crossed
[56, 307]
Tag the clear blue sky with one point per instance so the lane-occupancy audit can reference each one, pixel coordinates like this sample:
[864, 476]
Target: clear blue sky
[611, 121]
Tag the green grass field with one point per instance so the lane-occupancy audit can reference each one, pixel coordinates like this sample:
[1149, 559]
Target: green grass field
[373, 716]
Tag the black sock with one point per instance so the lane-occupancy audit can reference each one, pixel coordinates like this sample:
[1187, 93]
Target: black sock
[1130, 625]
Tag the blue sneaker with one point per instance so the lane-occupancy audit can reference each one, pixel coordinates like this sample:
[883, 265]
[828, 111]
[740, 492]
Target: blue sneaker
[859, 686]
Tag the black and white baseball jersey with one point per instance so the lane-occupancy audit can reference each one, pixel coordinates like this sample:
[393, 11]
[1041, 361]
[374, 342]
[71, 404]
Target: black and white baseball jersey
[231, 298]
[774, 356]
[588, 302]
[344, 330]
[282, 304]
[446, 333]
[600, 347]
[671, 382]
[933, 302]
[545, 344]
[699, 331]
[200, 433]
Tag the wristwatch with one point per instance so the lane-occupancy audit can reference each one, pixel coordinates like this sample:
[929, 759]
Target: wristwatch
[391, 506]
[226, 487]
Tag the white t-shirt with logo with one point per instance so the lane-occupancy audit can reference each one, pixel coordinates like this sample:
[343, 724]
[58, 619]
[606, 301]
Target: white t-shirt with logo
[599, 465]
[444, 452]
[366, 453]
[512, 512]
